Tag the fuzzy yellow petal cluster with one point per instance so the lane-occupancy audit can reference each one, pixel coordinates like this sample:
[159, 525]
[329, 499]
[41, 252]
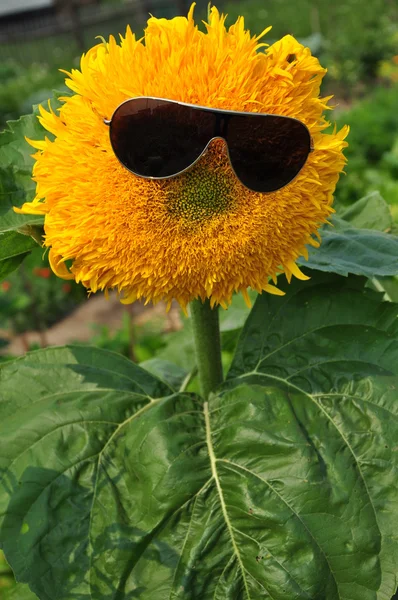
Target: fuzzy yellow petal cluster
[201, 234]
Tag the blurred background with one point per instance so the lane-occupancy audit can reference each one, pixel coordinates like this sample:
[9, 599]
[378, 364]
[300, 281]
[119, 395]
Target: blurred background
[358, 43]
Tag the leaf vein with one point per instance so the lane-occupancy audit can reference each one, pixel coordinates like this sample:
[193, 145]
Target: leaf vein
[232, 557]
[128, 420]
[358, 398]
[309, 332]
[275, 559]
[221, 496]
[195, 499]
[229, 462]
[48, 434]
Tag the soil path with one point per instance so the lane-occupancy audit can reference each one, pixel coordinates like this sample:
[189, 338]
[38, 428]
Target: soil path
[78, 326]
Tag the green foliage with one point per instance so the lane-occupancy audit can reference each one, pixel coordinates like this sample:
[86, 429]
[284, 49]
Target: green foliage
[373, 148]
[176, 377]
[14, 247]
[389, 285]
[351, 38]
[370, 212]
[119, 341]
[15, 193]
[8, 589]
[178, 347]
[23, 87]
[6, 579]
[16, 157]
[139, 343]
[34, 298]
[373, 124]
[282, 486]
[19, 592]
[17, 187]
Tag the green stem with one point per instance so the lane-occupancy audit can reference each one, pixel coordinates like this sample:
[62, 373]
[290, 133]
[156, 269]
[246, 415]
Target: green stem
[206, 333]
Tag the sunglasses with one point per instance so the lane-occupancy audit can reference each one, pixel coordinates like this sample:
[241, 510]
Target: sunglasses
[157, 139]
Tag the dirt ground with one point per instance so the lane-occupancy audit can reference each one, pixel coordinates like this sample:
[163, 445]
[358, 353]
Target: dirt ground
[78, 326]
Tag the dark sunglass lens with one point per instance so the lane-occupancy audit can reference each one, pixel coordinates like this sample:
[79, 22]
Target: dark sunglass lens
[159, 138]
[267, 152]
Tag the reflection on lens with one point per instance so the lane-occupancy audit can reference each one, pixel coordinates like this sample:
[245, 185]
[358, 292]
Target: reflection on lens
[267, 151]
[158, 138]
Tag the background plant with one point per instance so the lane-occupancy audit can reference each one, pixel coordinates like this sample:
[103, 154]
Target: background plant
[373, 148]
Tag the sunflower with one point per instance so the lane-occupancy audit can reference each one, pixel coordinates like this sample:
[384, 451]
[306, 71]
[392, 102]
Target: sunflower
[202, 234]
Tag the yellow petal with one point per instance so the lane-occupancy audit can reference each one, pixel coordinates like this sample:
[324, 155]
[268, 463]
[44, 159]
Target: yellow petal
[202, 234]
[291, 265]
[31, 208]
[271, 289]
[58, 266]
[246, 297]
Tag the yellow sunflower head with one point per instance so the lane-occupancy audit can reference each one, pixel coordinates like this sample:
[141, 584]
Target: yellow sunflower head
[201, 234]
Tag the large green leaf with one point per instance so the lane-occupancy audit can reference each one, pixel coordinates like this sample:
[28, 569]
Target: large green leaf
[61, 410]
[283, 487]
[357, 242]
[347, 249]
[332, 351]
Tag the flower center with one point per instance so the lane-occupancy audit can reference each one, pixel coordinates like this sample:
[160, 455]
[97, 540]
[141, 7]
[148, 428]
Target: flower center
[203, 192]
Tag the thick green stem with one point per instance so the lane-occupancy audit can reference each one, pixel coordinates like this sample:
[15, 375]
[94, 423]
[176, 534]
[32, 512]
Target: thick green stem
[206, 333]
